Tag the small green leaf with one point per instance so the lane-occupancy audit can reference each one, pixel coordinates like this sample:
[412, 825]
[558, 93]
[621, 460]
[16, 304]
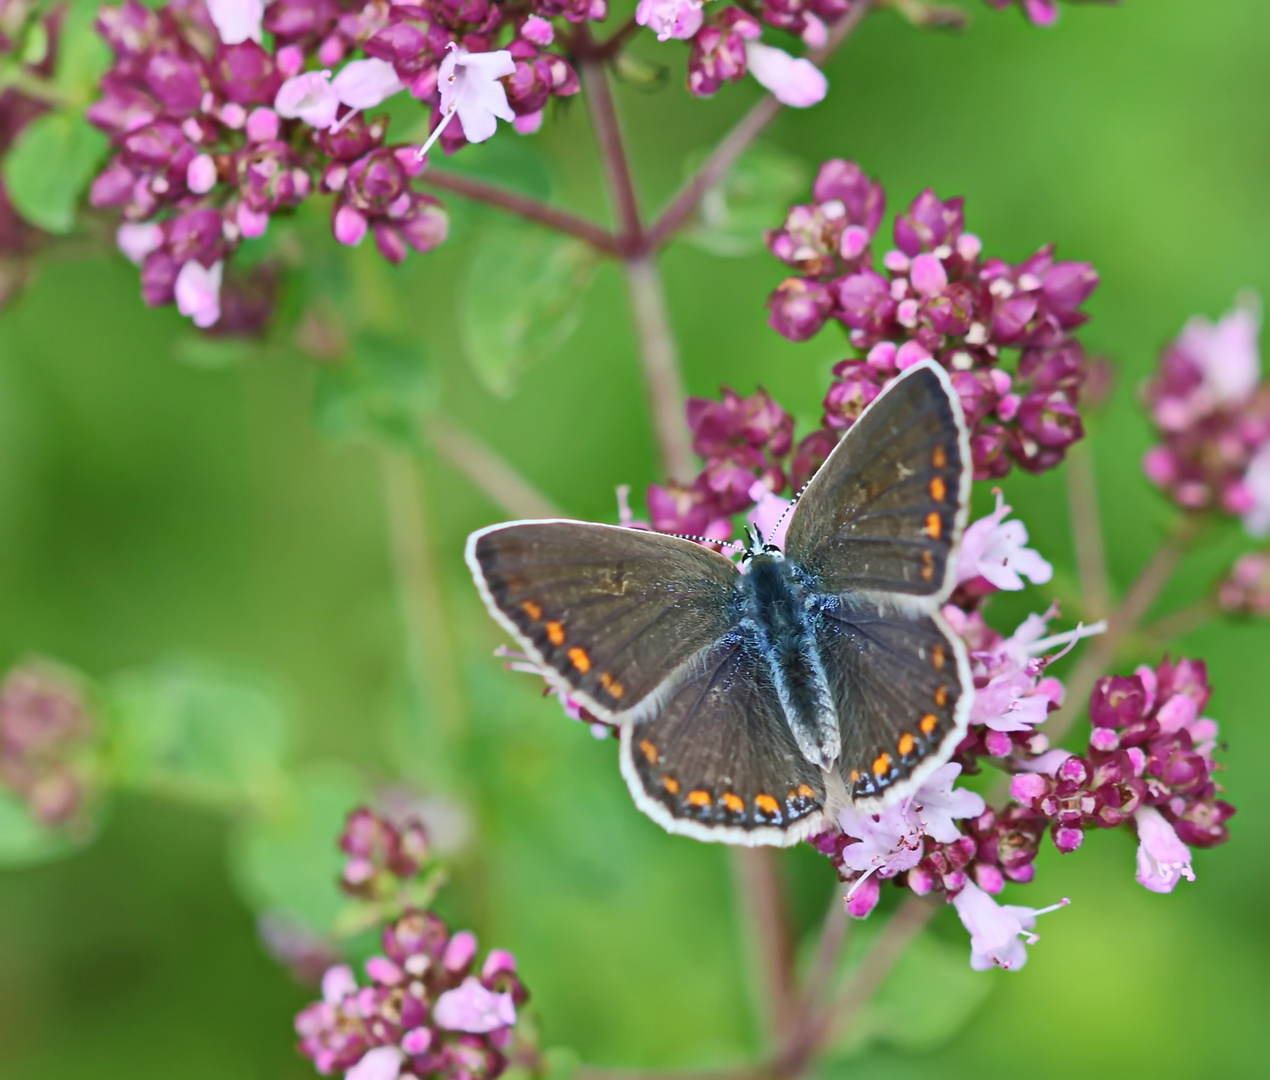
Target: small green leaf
[753, 197]
[188, 731]
[286, 860]
[379, 390]
[50, 166]
[520, 300]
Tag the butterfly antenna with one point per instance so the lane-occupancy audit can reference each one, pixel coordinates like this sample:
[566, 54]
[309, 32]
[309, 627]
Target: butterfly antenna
[708, 540]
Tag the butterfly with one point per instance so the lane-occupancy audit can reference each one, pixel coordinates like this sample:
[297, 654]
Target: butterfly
[755, 701]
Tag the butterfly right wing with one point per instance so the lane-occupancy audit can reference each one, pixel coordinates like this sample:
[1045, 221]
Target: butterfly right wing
[611, 615]
[718, 761]
[885, 512]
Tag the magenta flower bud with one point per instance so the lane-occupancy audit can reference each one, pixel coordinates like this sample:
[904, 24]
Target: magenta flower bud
[988, 445]
[417, 1041]
[953, 311]
[177, 82]
[382, 970]
[920, 880]
[1050, 419]
[200, 176]
[158, 278]
[460, 951]
[929, 223]
[846, 182]
[1067, 838]
[290, 58]
[910, 353]
[1104, 739]
[262, 125]
[977, 392]
[246, 74]
[855, 240]
[798, 308]
[864, 302]
[348, 225]
[529, 124]
[989, 878]
[537, 30]
[251, 223]
[1029, 787]
[234, 116]
[928, 275]
[665, 18]
[1073, 770]
[1116, 701]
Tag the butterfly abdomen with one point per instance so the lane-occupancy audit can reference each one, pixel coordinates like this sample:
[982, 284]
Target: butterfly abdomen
[787, 639]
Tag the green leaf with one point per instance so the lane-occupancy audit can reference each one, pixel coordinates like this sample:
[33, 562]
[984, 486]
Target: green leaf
[50, 166]
[520, 300]
[191, 732]
[24, 841]
[752, 197]
[380, 390]
[931, 993]
[286, 861]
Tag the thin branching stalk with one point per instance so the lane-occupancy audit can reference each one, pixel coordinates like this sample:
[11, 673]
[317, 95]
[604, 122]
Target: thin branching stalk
[1087, 537]
[608, 137]
[1137, 602]
[769, 935]
[1182, 622]
[431, 658]
[490, 472]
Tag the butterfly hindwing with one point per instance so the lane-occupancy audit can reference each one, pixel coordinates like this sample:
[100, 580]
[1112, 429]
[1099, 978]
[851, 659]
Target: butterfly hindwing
[609, 613]
[886, 510]
[718, 761]
[902, 689]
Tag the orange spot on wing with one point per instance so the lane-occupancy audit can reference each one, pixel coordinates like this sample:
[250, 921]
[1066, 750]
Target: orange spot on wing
[907, 743]
[532, 610]
[938, 654]
[699, 798]
[671, 785]
[934, 525]
[928, 723]
[855, 775]
[766, 803]
[733, 802]
[610, 684]
[650, 751]
[555, 633]
[806, 791]
[939, 458]
[938, 489]
[882, 765]
[941, 696]
[580, 659]
[928, 566]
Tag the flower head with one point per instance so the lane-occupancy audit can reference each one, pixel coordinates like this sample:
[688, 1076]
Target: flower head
[470, 87]
[994, 550]
[997, 931]
[1163, 860]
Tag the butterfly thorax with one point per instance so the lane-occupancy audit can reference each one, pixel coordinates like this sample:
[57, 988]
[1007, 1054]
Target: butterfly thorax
[777, 615]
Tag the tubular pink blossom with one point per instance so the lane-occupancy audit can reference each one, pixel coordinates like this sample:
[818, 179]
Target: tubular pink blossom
[237, 21]
[993, 549]
[472, 1008]
[349, 226]
[469, 86]
[363, 84]
[308, 97]
[381, 1063]
[670, 18]
[797, 83]
[197, 292]
[137, 239]
[1163, 860]
[997, 931]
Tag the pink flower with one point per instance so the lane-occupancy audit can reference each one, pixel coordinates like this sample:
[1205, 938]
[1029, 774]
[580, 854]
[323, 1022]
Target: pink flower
[997, 931]
[1163, 860]
[197, 292]
[889, 842]
[995, 550]
[381, 1063]
[470, 87]
[308, 97]
[670, 18]
[200, 175]
[1256, 518]
[938, 803]
[471, 1008]
[1226, 352]
[349, 226]
[798, 83]
[770, 514]
[237, 20]
[338, 983]
[137, 239]
[363, 84]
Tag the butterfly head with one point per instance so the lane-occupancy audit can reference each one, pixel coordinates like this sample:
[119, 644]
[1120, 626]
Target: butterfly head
[754, 545]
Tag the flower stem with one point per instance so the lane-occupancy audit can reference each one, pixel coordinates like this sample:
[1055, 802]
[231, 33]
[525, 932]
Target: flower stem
[608, 137]
[662, 377]
[505, 487]
[1137, 602]
[766, 922]
[523, 206]
[1091, 555]
[430, 658]
[1182, 622]
[738, 140]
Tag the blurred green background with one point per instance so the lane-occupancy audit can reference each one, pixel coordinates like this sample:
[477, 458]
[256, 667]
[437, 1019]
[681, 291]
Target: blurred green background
[150, 508]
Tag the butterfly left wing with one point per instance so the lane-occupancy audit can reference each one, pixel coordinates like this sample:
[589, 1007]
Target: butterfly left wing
[611, 615]
[718, 761]
[902, 688]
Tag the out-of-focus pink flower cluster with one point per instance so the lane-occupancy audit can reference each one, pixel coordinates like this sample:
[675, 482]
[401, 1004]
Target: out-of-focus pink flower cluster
[937, 297]
[227, 113]
[426, 1010]
[46, 731]
[1212, 411]
[1246, 589]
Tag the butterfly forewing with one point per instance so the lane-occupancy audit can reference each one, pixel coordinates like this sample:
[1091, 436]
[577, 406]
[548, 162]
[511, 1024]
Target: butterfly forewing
[718, 762]
[902, 689]
[886, 510]
[610, 612]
